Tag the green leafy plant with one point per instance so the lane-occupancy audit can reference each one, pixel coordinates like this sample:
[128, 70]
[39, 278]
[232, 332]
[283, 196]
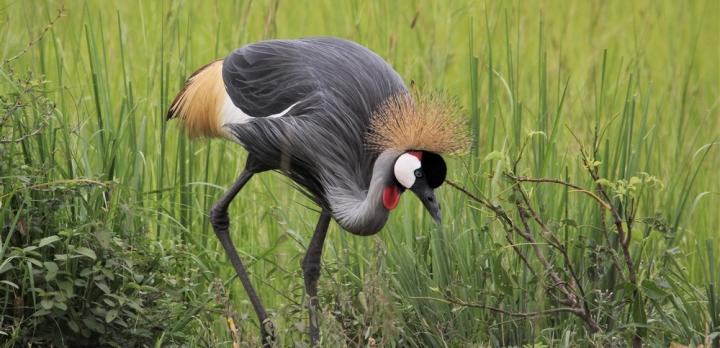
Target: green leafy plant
[67, 278]
[88, 162]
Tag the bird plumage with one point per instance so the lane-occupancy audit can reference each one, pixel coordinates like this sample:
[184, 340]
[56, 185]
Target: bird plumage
[329, 104]
[424, 122]
[199, 103]
[335, 86]
[336, 119]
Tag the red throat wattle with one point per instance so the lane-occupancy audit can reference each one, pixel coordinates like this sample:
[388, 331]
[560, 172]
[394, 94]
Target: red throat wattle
[391, 196]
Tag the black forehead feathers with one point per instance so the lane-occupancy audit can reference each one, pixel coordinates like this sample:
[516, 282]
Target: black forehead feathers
[434, 167]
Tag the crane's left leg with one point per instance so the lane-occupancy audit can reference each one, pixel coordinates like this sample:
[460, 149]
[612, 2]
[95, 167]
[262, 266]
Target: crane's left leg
[311, 272]
[221, 223]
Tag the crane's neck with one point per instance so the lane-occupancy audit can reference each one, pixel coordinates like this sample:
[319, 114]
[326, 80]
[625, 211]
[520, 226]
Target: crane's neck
[362, 212]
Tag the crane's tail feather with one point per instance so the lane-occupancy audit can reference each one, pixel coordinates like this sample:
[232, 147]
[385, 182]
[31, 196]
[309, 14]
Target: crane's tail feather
[199, 104]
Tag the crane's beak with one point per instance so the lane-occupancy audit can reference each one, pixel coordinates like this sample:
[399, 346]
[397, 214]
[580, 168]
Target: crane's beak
[428, 199]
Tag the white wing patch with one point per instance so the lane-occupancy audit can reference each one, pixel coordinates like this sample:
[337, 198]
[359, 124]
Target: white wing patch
[405, 167]
[284, 111]
[229, 113]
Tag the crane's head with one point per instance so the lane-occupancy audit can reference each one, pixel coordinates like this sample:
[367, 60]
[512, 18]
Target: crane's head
[418, 128]
[420, 172]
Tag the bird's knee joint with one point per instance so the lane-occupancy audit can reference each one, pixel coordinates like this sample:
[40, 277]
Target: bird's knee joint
[219, 219]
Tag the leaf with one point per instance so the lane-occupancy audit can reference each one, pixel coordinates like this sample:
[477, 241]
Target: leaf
[104, 287]
[654, 291]
[52, 269]
[85, 272]
[73, 326]
[111, 315]
[7, 265]
[61, 306]
[34, 261]
[134, 305]
[108, 273]
[48, 240]
[51, 266]
[67, 288]
[11, 284]
[47, 303]
[638, 313]
[29, 248]
[92, 324]
[628, 288]
[86, 252]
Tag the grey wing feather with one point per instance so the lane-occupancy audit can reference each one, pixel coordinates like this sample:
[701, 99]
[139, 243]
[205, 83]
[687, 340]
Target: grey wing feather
[266, 78]
[334, 86]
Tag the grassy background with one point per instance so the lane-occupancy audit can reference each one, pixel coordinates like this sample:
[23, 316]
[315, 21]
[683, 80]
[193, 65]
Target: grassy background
[646, 72]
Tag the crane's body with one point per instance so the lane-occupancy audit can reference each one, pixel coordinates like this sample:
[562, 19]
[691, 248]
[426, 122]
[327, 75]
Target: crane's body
[332, 116]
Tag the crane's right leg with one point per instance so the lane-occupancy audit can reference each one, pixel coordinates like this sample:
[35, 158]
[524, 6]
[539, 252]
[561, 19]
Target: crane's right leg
[220, 222]
[311, 272]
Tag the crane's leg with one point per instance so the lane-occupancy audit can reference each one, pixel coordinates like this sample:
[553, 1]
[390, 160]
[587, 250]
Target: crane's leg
[311, 272]
[220, 222]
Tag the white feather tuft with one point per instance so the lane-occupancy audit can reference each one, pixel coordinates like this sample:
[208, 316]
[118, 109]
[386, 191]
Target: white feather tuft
[405, 167]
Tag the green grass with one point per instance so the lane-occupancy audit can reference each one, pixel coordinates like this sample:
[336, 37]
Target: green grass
[640, 81]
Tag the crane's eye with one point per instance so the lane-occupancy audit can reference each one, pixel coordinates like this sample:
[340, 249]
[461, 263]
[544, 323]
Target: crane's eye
[418, 173]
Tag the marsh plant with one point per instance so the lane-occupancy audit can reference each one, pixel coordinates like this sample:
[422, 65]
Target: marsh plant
[585, 213]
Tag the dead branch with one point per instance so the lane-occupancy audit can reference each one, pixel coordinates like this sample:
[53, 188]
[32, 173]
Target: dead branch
[499, 310]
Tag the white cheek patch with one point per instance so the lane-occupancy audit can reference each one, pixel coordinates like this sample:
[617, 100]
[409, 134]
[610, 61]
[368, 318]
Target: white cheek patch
[405, 167]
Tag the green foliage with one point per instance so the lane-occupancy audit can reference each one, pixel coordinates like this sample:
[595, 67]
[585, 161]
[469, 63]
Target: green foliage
[99, 192]
[67, 277]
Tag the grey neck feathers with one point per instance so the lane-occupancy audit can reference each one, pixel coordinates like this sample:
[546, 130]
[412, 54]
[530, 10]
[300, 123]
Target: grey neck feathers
[360, 211]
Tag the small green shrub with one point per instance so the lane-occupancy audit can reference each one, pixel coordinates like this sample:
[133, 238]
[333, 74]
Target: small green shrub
[68, 275]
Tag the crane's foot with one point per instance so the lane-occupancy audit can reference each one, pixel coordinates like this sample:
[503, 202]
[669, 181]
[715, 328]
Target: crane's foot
[311, 272]
[314, 329]
[267, 331]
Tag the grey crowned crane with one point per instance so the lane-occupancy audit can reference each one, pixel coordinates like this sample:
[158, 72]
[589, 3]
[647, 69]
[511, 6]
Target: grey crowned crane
[337, 120]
